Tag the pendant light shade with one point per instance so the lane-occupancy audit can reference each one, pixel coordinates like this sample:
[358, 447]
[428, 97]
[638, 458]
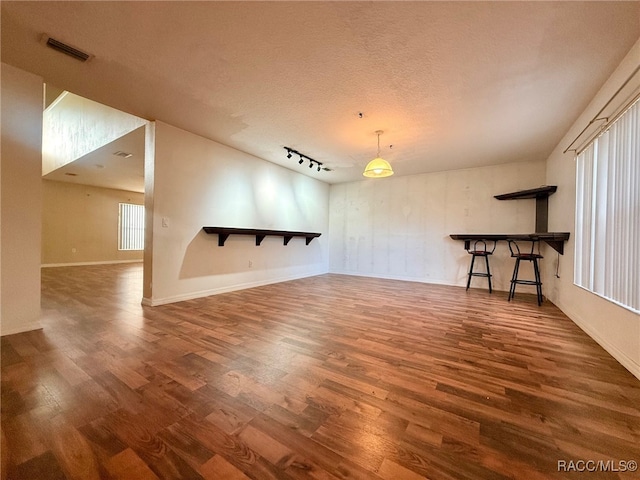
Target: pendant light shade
[378, 167]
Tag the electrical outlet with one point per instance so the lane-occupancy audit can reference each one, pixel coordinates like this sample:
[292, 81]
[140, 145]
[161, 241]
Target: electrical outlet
[250, 264]
[165, 222]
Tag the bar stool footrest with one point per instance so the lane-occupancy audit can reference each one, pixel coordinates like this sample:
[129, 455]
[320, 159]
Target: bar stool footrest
[526, 282]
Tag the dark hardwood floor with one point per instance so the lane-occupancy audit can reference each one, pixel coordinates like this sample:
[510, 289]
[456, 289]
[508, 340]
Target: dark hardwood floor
[330, 377]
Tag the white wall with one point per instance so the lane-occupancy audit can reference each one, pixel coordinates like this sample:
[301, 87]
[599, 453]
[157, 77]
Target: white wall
[80, 224]
[399, 227]
[74, 126]
[614, 328]
[21, 200]
[198, 182]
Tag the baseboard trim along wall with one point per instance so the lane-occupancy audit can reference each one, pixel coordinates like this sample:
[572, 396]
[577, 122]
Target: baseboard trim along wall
[398, 277]
[80, 264]
[23, 328]
[216, 291]
[622, 358]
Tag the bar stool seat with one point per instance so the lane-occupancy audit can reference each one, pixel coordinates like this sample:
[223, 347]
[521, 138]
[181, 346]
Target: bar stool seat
[479, 250]
[529, 256]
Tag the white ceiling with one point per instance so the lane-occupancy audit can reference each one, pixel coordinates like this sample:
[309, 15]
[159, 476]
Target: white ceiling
[452, 84]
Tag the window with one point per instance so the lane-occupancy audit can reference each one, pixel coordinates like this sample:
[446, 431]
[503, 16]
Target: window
[131, 227]
[607, 256]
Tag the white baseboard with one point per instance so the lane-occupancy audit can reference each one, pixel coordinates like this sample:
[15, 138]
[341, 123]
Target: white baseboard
[431, 281]
[428, 281]
[27, 327]
[622, 358]
[397, 277]
[154, 302]
[80, 264]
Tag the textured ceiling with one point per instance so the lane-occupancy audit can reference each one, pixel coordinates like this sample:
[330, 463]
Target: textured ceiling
[452, 84]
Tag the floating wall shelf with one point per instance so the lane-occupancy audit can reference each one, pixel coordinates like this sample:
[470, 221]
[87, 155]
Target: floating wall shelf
[541, 195]
[532, 193]
[224, 232]
[554, 239]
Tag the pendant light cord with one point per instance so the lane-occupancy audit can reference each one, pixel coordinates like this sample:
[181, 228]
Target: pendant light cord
[379, 132]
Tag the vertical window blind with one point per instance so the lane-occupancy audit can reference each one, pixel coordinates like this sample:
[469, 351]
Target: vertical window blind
[131, 227]
[607, 254]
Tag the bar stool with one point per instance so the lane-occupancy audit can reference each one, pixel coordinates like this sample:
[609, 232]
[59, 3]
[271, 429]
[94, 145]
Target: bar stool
[479, 250]
[530, 256]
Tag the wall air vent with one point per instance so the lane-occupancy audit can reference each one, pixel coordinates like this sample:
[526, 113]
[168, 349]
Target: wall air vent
[65, 48]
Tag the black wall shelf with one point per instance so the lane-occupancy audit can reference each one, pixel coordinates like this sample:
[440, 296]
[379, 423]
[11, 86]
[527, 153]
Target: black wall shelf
[554, 239]
[541, 195]
[224, 232]
[532, 193]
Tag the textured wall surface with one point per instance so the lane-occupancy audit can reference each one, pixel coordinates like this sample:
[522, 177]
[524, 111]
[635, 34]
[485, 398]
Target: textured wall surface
[399, 227]
[74, 126]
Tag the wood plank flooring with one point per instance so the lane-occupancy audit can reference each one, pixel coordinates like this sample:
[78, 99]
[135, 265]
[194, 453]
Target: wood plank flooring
[330, 377]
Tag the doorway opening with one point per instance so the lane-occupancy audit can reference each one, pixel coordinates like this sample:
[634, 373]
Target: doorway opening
[92, 164]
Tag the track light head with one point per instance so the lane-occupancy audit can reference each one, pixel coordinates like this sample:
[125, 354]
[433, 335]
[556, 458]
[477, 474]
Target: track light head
[302, 157]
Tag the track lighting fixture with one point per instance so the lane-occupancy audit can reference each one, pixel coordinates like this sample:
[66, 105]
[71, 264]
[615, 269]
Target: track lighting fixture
[303, 157]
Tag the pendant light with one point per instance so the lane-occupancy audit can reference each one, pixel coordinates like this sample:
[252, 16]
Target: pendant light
[378, 167]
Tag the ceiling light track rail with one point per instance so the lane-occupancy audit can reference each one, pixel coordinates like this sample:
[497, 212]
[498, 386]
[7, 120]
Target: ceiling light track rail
[292, 151]
[607, 120]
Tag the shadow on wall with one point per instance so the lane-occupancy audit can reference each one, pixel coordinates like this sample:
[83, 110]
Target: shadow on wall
[203, 257]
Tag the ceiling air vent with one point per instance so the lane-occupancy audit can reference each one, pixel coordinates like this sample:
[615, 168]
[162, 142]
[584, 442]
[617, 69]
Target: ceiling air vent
[65, 48]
